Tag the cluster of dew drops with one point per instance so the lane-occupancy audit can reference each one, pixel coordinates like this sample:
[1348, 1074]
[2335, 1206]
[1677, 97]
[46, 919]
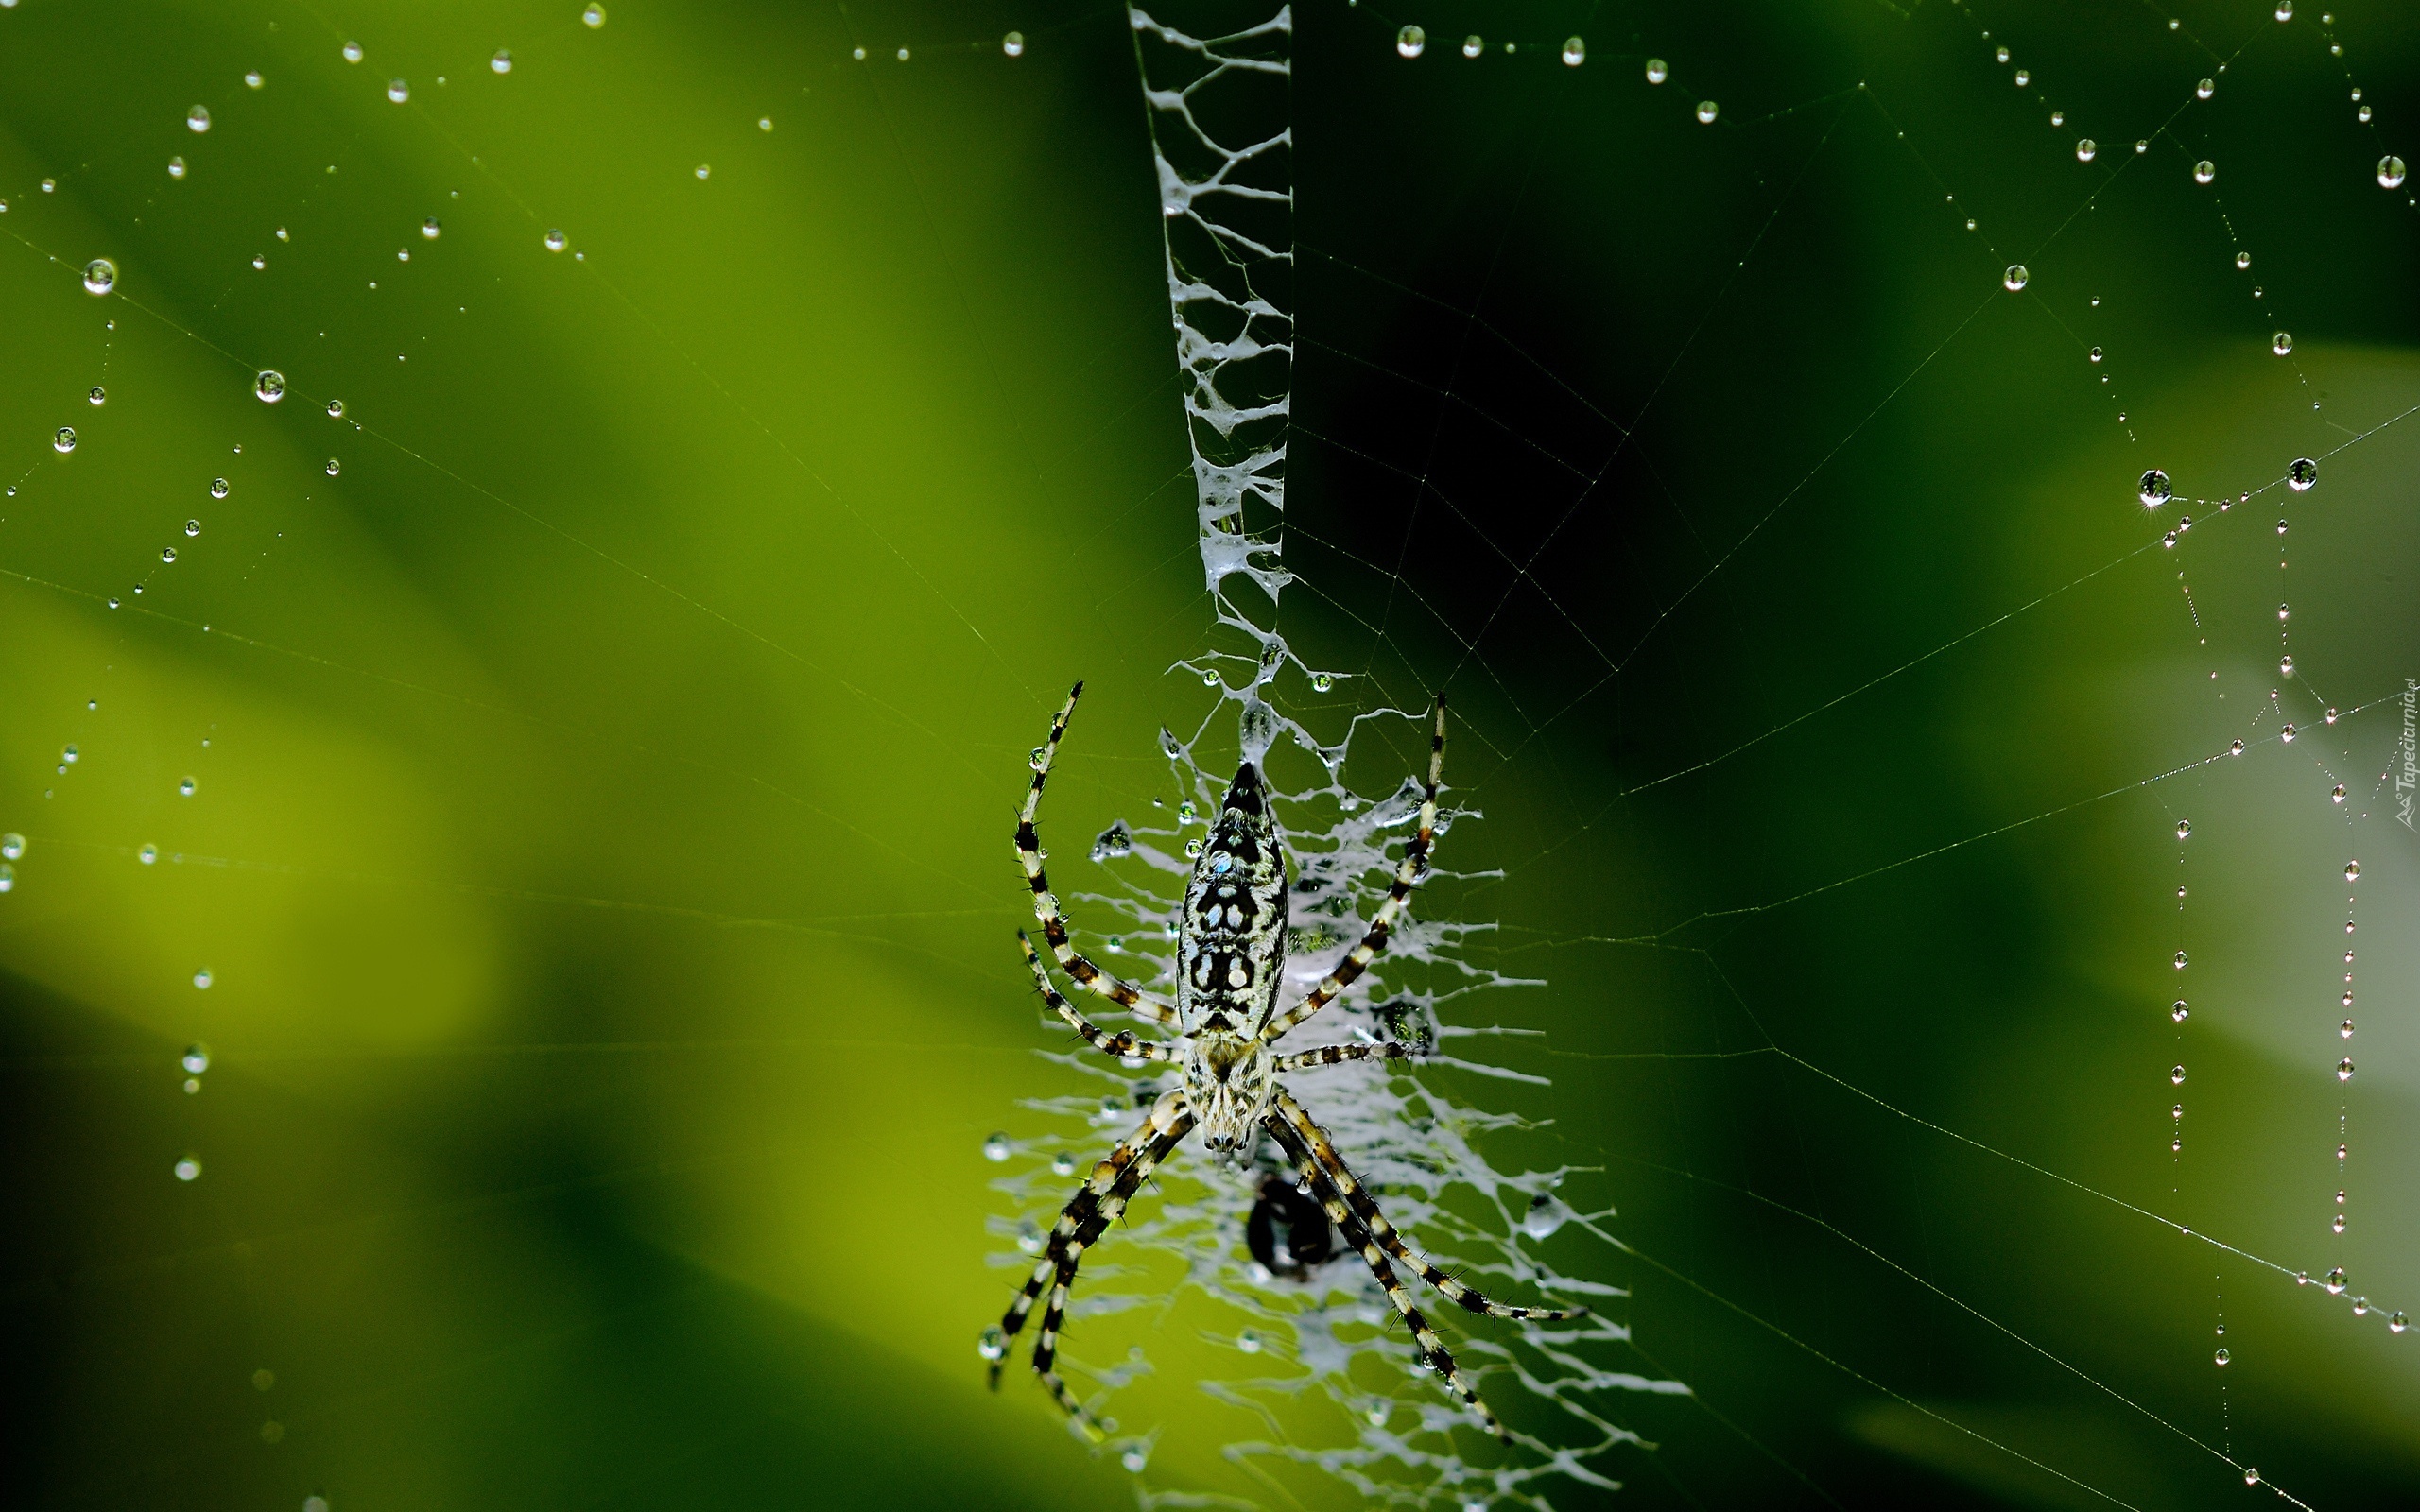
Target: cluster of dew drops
[1413, 41]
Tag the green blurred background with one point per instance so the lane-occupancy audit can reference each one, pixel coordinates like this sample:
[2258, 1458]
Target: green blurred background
[603, 735]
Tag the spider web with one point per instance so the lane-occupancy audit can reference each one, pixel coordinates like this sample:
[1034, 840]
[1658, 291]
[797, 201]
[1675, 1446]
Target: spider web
[1217, 105]
[591, 896]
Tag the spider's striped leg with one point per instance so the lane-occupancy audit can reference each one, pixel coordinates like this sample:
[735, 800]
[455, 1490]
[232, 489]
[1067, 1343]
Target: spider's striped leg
[1045, 903]
[1121, 1044]
[1339, 1054]
[1096, 1204]
[1046, 1342]
[1365, 1210]
[1433, 1352]
[1382, 923]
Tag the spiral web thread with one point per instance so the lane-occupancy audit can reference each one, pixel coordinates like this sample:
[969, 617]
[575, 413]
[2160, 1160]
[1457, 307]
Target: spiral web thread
[1392, 1434]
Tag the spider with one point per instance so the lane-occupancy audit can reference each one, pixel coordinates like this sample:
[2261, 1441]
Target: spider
[1230, 948]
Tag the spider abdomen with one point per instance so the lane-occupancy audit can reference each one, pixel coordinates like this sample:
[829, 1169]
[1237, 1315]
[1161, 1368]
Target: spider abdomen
[1231, 944]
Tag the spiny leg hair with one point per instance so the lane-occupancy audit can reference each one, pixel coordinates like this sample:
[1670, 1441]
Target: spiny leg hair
[1121, 1044]
[1365, 1209]
[1046, 906]
[1433, 1352]
[1415, 862]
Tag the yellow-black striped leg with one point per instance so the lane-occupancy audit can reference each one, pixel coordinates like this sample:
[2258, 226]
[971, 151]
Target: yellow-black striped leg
[1087, 1215]
[1339, 1054]
[1382, 923]
[1365, 1210]
[1121, 1044]
[1046, 905]
[1433, 1352]
[1046, 1342]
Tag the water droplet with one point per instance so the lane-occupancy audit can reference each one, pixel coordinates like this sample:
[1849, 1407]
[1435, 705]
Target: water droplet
[201, 979]
[168, 553]
[2023, 78]
[353, 52]
[2344, 1072]
[270, 386]
[1030, 1237]
[429, 228]
[1136, 1458]
[1063, 1164]
[996, 1148]
[1472, 45]
[1248, 1341]
[398, 90]
[2337, 796]
[1657, 70]
[64, 440]
[2287, 735]
[593, 17]
[1575, 52]
[1546, 1214]
[2000, 53]
[2285, 10]
[1115, 841]
[704, 170]
[2176, 1076]
[1707, 110]
[2282, 343]
[2204, 171]
[101, 276]
[70, 756]
[197, 1058]
[2154, 489]
[1411, 42]
[2243, 259]
[188, 1168]
[1186, 813]
[2396, 1322]
[2015, 279]
[2251, 1476]
[335, 467]
[2185, 829]
[2331, 715]
[2221, 1357]
[13, 846]
[176, 167]
[1193, 847]
[2389, 172]
[991, 1344]
[2283, 610]
[336, 409]
[2300, 476]
[502, 61]
[2352, 872]
[2334, 1280]
[186, 787]
[2286, 666]
[1013, 44]
[555, 242]
[197, 119]
[149, 854]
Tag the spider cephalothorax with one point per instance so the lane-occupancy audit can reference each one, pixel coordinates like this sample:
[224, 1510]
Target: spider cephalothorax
[1231, 955]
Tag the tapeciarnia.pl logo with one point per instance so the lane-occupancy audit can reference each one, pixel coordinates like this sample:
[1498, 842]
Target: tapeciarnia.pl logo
[2409, 777]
